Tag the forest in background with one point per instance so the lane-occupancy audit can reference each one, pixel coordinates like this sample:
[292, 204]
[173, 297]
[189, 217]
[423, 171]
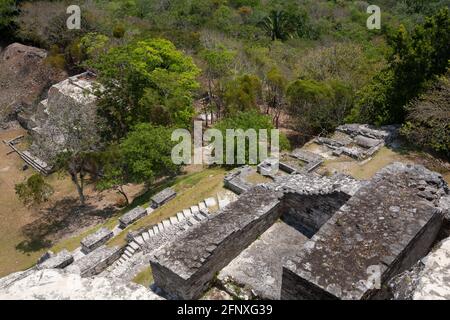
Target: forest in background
[305, 65]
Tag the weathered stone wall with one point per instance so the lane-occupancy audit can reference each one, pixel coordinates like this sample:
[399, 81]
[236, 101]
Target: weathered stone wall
[308, 213]
[97, 261]
[390, 223]
[185, 269]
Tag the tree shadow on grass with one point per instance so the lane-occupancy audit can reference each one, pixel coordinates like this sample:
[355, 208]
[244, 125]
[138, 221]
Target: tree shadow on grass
[63, 218]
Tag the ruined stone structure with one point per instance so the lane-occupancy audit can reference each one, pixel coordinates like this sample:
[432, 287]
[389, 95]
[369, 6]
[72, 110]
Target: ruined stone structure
[358, 141]
[235, 181]
[74, 91]
[385, 227]
[348, 230]
[162, 198]
[95, 240]
[131, 217]
[186, 268]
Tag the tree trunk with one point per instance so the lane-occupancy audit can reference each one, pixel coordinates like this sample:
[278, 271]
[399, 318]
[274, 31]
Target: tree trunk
[122, 192]
[79, 188]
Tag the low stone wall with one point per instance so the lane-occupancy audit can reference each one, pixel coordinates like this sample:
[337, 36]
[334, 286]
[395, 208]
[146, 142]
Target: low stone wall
[186, 267]
[163, 197]
[96, 240]
[131, 217]
[308, 213]
[234, 181]
[57, 261]
[97, 261]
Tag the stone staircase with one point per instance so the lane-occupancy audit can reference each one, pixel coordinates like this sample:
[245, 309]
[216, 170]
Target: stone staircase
[157, 235]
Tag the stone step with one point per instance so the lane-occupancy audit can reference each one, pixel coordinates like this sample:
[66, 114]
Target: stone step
[167, 224]
[151, 233]
[173, 220]
[205, 213]
[187, 213]
[180, 216]
[193, 221]
[202, 205]
[155, 230]
[160, 227]
[210, 202]
[134, 245]
[195, 210]
[139, 240]
[145, 236]
[128, 253]
[200, 217]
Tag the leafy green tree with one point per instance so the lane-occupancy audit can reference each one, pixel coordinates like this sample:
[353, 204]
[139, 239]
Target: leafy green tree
[34, 190]
[286, 24]
[146, 154]
[277, 25]
[114, 172]
[318, 107]
[251, 119]
[242, 94]
[218, 62]
[417, 59]
[145, 81]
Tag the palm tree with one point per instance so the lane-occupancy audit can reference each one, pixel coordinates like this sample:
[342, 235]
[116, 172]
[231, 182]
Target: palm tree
[277, 25]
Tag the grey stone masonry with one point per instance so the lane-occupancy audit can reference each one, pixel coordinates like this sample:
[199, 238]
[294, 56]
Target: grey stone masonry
[163, 197]
[235, 180]
[184, 269]
[384, 229]
[131, 217]
[97, 261]
[57, 261]
[95, 240]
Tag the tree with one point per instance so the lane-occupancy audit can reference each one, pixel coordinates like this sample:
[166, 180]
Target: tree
[114, 172]
[218, 62]
[69, 138]
[286, 24]
[275, 96]
[318, 107]
[277, 25]
[142, 81]
[417, 59]
[146, 154]
[242, 94]
[34, 190]
[428, 121]
[7, 11]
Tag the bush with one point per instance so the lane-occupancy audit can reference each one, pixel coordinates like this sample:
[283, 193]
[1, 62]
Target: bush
[34, 190]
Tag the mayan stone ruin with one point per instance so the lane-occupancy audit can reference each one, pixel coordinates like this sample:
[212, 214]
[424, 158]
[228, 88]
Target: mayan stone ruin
[284, 230]
[383, 225]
